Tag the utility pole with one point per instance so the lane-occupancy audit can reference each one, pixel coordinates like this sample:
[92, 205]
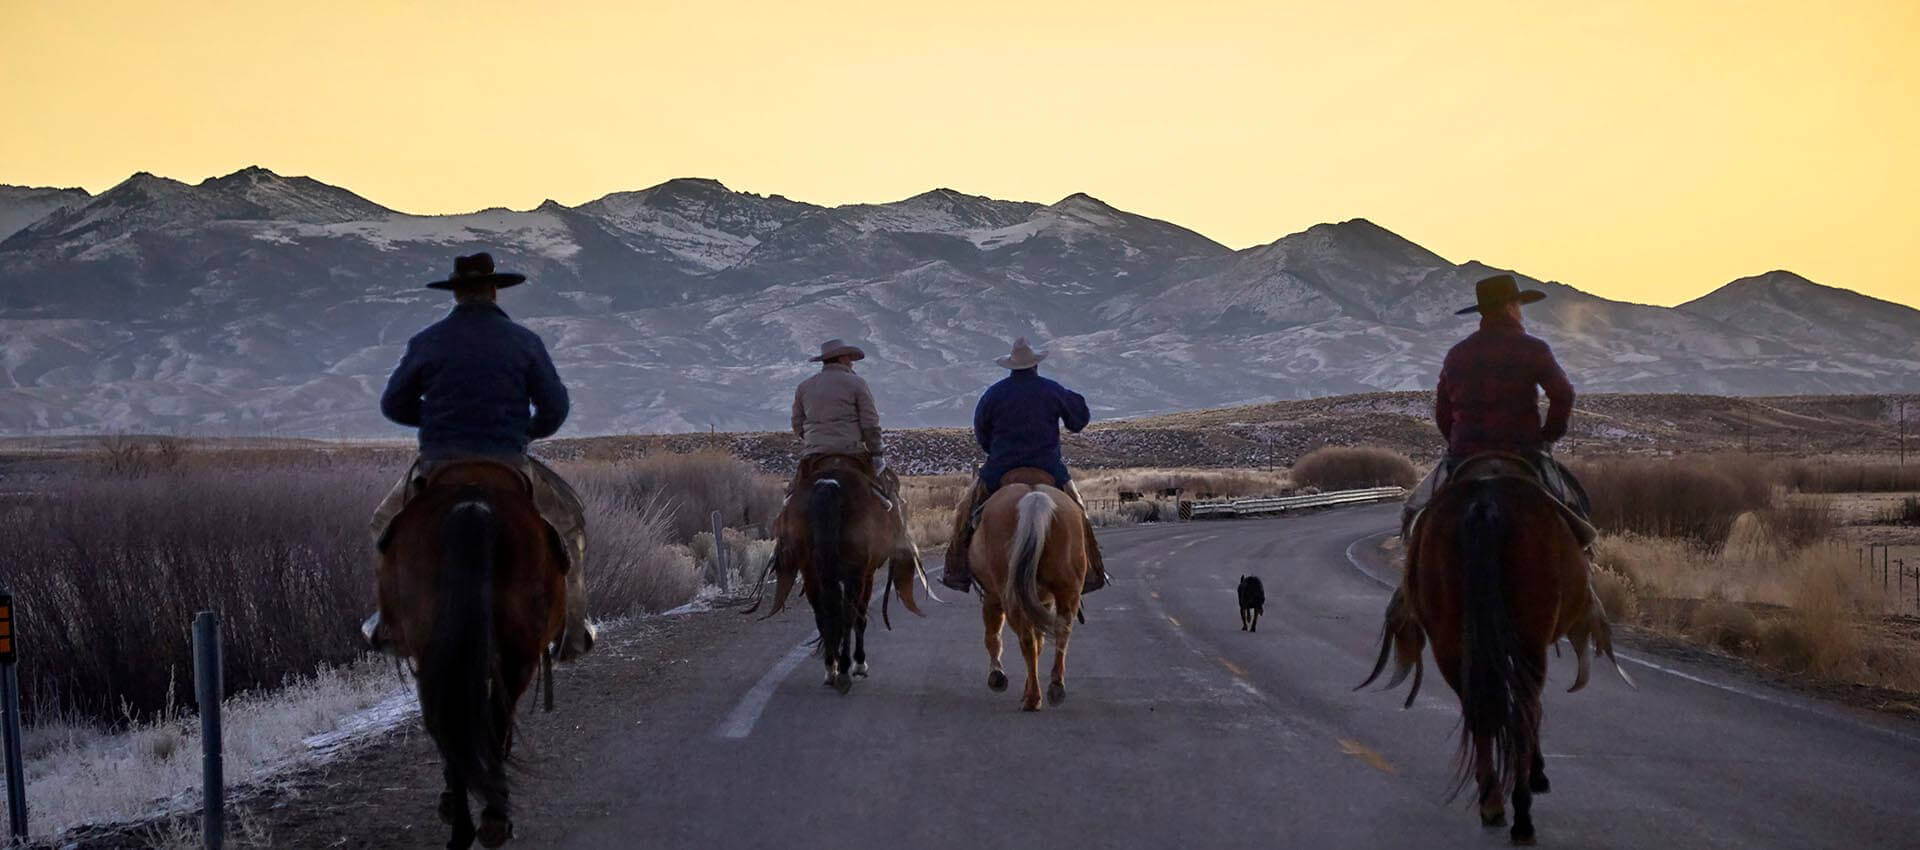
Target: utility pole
[1903, 432]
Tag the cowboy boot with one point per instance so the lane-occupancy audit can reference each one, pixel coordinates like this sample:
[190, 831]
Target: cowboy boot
[1096, 565]
[959, 575]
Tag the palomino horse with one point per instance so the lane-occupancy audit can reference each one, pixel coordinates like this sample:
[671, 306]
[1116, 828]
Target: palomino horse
[1030, 551]
[1494, 577]
[836, 533]
[472, 587]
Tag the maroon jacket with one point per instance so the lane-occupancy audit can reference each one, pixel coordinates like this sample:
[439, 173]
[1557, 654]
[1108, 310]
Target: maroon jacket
[1487, 399]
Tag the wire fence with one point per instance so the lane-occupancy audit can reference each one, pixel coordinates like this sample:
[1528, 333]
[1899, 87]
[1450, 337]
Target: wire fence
[1894, 571]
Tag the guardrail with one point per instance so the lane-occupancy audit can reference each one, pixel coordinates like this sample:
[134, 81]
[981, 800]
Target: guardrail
[1227, 509]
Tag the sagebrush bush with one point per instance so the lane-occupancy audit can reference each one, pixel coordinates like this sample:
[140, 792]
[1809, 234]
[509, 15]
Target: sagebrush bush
[1811, 476]
[1354, 468]
[1696, 499]
[107, 574]
[690, 487]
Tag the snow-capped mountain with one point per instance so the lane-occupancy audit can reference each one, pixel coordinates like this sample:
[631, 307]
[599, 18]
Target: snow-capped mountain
[256, 303]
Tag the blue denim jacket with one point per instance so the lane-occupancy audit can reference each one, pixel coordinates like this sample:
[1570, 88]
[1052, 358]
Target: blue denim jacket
[1018, 421]
[468, 381]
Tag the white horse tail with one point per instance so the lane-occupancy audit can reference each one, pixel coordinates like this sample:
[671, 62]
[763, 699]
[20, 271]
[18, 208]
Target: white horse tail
[1036, 511]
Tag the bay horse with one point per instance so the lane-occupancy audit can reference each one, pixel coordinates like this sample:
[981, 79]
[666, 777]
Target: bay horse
[1030, 552]
[472, 589]
[1494, 576]
[835, 533]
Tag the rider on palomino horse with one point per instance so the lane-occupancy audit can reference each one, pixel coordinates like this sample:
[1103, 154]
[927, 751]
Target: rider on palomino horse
[834, 415]
[468, 382]
[1017, 424]
[1487, 401]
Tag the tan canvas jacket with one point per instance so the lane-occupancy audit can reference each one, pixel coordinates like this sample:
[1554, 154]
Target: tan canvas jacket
[833, 413]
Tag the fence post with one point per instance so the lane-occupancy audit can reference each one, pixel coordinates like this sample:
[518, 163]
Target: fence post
[10, 719]
[208, 688]
[720, 554]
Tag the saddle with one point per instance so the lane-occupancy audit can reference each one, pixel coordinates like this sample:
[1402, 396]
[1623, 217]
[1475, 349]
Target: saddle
[475, 472]
[1490, 465]
[849, 469]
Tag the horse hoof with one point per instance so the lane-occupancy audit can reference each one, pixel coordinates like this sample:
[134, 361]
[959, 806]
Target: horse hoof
[997, 680]
[495, 831]
[860, 669]
[1492, 820]
[1031, 704]
[843, 683]
[1539, 784]
[1056, 693]
[462, 837]
[1523, 837]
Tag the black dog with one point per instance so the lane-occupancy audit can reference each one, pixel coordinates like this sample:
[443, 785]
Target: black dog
[1253, 599]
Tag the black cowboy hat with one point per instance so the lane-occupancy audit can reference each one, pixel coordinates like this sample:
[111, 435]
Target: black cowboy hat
[477, 270]
[1498, 291]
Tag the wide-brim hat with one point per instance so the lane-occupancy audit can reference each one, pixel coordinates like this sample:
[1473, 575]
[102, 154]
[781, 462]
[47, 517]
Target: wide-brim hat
[1498, 291]
[835, 348]
[1023, 356]
[477, 270]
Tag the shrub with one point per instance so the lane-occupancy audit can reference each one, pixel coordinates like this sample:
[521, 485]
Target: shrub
[1809, 476]
[1696, 499]
[1799, 523]
[1907, 512]
[633, 567]
[107, 575]
[1726, 625]
[1353, 468]
[690, 487]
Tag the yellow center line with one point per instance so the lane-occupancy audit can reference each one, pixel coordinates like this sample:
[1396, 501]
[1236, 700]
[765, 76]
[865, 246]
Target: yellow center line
[1236, 669]
[1170, 619]
[1366, 754]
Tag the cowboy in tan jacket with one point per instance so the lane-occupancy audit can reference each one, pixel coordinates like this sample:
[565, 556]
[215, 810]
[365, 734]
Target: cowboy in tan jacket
[834, 414]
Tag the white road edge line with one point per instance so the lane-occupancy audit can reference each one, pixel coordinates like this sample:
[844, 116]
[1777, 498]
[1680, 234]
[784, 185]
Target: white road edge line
[739, 723]
[1722, 686]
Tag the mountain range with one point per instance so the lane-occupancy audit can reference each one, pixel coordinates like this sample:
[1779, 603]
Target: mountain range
[255, 303]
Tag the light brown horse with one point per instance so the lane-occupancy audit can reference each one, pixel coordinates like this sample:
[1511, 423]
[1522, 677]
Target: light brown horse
[472, 589]
[1030, 553]
[1494, 577]
[835, 533]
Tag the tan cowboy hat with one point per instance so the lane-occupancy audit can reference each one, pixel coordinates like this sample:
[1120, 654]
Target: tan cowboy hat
[1023, 356]
[1496, 292]
[835, 348]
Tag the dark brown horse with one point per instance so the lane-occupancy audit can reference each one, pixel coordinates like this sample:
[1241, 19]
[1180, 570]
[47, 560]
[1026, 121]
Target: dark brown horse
[836, 533]
[472, 589]
[1494, 577]
[1030, 555]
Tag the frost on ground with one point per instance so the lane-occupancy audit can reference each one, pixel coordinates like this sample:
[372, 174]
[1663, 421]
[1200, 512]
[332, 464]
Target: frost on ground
[78, 775]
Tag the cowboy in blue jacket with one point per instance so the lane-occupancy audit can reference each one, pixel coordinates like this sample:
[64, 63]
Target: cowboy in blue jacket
[480, 387]
[1017, 424]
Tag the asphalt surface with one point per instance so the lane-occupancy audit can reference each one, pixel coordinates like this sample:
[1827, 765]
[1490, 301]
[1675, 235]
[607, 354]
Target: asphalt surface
[1180, 730]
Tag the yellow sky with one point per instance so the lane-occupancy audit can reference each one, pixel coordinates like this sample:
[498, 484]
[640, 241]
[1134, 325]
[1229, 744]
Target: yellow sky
[1644, 151]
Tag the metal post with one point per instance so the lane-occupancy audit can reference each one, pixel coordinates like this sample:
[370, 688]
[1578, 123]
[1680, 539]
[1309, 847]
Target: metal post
[10, 719]
[720, 554]
[208, 689]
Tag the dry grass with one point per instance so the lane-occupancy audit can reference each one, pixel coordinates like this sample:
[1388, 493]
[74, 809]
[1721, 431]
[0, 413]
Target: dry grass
[1107, 484]
[1695, 499]
[1802, 610]
[1354, 467]
[1811, 476]
[690, 487]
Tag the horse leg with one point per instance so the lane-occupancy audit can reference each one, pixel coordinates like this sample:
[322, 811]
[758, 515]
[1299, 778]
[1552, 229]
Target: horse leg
[455, 812]
[829, 640]
[995, 621]
[1493, 811]
[1029, 635]
[1057, 687]
[860, 629]
[1537, 782]
[496, 813]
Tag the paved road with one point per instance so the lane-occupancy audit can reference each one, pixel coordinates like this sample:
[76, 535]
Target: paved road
[1182, 731]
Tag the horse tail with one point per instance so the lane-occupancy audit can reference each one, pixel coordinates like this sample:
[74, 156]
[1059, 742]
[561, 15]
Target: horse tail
[1036, 511]
[825, 515]
[457, 675]
[1402, 639]
[1499, 680]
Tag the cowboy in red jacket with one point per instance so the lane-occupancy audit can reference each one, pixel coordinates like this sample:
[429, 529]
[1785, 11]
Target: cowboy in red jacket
[1489, 398]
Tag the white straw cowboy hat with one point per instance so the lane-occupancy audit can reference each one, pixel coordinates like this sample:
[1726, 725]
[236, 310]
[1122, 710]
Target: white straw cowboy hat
[1023, 356]
[835, 348]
